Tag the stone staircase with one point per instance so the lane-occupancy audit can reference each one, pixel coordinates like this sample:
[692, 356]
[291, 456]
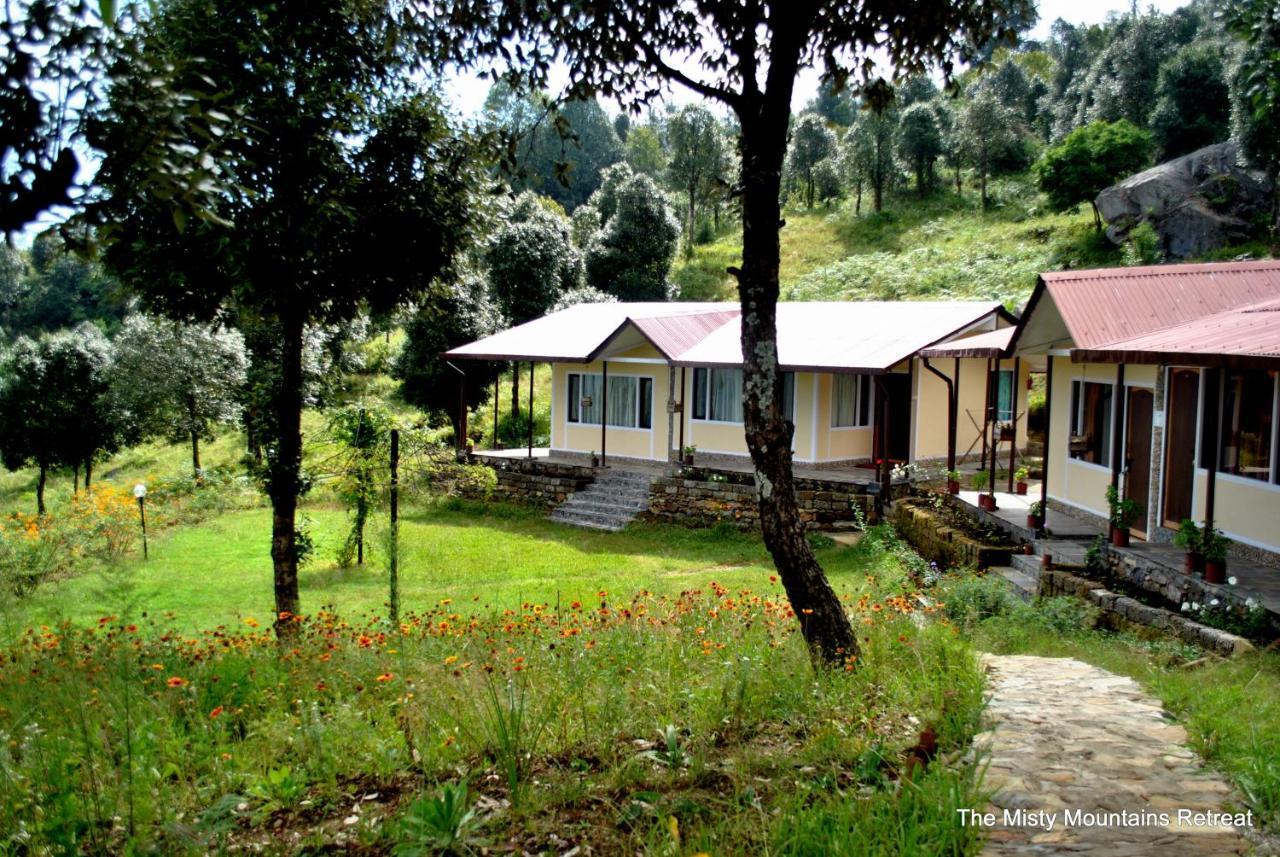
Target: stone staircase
[609, 503]
[1022, 573]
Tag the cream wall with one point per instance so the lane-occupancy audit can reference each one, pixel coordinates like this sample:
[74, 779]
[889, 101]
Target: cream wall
[1246, 510]
[836, 444]
[626, 442]
[1081, 483]
[929, 409]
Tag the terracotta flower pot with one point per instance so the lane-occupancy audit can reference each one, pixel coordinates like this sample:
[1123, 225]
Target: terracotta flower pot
[1033, 522]
[1120, 537]
[688, 461]
[1193, 563]
[989, 503]
[1215, 571]
[1022, 488]
[953, 486]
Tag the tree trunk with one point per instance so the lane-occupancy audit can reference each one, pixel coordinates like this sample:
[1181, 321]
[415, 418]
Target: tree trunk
[983, 180]
[920, 179]
[958, 178]
[88, 474]
[75, 479]
[857, 205]
[195, 440]
[693, 217]
[1097, 218]
[40, 480]
[284, 480]
[822, 618]
[878, 192]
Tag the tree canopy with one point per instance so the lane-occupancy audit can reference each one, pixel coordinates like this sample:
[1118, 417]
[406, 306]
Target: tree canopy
[1089, 160]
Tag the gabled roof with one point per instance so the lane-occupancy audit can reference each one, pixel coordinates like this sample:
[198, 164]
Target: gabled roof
[993, 343]
[1243, 337]
[844, 336]
[1106, 305]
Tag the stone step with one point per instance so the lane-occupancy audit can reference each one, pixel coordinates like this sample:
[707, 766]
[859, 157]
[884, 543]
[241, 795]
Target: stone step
[1028, 565]
[1023, 586]
[629, 480]
[612, 517]
[612, 525]
[592, 503]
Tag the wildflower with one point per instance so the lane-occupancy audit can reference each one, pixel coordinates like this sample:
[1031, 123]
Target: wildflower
[1186, 606]
[177, 681]
[452, 659]
[1231, 581]
[132, 629]
[385, 677]
[251, 622]
[1251, 603]
[213, 715]
[902, 638]
[1213, 602]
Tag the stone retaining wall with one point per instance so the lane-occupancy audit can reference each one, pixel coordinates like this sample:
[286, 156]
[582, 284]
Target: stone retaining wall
[945, 545]
[700, 499]
[539, 483]
[1058, 582]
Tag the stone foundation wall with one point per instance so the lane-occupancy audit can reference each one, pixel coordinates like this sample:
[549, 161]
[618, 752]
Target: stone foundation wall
[945, 545]
[702, 500]
[1057, 582]
[539, 483]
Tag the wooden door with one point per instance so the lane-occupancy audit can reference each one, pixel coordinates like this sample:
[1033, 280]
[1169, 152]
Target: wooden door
[1180, 444]
[1137, 455]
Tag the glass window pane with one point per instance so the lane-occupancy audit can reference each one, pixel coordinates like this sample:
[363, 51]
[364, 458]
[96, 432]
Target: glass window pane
[789, 396]
[622, 401]
[699, 394]
[1091, 422]
[1004, 400]
[1248, 408]
[590, 400]
[865, 386]
[726, 395]
[844, 397]
[646, 403]
[575, 395]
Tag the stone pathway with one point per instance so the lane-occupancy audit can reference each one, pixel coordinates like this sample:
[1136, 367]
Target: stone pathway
[1069, 743]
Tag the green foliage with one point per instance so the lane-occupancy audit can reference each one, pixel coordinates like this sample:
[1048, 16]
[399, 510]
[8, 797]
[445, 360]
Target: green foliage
[436, 823]
[986, 130]
[1089, 160]
[1192, 107]
[699, 159]
[1213, 544]
[1143, 246]
[52, 288]
[1123, 511]
[811, 143]
[362, 435]
[644, 152]
[1255, 84]
[920, 142]
[1188, 536]
[530, 261]
[632, 257]
[866, 152]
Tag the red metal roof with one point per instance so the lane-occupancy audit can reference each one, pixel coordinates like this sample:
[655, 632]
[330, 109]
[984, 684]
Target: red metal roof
[1111, 304]
[993, 343]
[848, 336]
[1245, 336]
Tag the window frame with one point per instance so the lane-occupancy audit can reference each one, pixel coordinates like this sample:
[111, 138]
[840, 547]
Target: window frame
[1006, 416]
[573, 381]
[702, 403]
[1273, 467]
[1076, 419]
[864, 393]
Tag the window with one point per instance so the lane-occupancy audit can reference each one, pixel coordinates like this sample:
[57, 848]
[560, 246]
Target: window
[1004, 396]
[1091, 421]
[789, 396]
[1248, 418]
[850, 401]
[717, 395]
[630, 400]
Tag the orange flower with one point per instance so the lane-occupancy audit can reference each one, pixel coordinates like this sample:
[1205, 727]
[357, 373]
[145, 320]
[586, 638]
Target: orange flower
[177, 681]
[385, 677]
[450, 660]
[213, 715]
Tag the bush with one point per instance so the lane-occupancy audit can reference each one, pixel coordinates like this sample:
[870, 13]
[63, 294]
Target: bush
[973, 598]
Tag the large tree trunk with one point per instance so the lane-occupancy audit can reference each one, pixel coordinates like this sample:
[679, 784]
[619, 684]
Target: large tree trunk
[40, 480]
[857, 205]
[88, 474]
[284, 479]
[693, 216]
[822, 618]
[195, 455]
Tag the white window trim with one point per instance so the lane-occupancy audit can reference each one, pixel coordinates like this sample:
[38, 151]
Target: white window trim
[707, 399]
[1075, 417]
[860, 379]
[653, 387]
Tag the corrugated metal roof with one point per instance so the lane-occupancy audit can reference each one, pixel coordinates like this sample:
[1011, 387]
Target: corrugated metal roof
[993, 343]
[846, 336]
[1248, 335]
[1111, 304]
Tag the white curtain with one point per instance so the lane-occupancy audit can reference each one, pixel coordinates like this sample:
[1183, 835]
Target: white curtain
[726, 395]
[591, 390]
[622, 401]
[844, 394]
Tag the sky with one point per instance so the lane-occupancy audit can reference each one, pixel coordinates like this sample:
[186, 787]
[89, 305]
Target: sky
[466, 93]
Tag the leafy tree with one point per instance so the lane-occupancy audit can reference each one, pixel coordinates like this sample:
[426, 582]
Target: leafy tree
[717, 49]
[605, 199]
[1089, 160]
[55, 403]
[920, 142]
[1193, 105]
[632, 256]
[13, 287]
[811, 142]
[826, 180]
[178, 380]
[697, 147]
[916, 89]
[62, 289]
[622, 126]
[1256, 87]
[838, 107]
[362, 433]
[351, 194]
[866, 153]
[644, 151]
[1121, 83]
[985, 129]
[455, 314]
[1010, 84]
[948, 116]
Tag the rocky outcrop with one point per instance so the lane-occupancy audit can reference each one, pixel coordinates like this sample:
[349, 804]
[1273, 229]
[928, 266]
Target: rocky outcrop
[1196, 203]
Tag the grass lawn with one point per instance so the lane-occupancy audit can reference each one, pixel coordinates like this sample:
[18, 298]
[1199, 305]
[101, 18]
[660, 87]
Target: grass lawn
[484, 558]
[680, 717]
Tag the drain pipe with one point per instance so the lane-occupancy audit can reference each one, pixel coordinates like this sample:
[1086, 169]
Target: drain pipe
[952, 412]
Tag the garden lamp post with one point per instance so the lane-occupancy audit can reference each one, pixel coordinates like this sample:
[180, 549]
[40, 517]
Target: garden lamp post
[140, 491]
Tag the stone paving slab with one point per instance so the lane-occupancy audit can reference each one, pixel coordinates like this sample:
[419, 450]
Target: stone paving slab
[1091, 752]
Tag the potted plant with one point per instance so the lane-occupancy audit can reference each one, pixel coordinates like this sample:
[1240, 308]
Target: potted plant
[1006, 431]
[1020, 475]
[1213, 544]
[953, 481]
[1034, 514]
[595, 459]
[686, 454]
[1123, 513]
[1190, 539]
[980, 481]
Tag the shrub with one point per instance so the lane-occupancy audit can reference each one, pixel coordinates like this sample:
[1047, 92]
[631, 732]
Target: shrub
[973, 598]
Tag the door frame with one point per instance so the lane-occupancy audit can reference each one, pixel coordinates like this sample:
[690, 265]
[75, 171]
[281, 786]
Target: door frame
[1142, 531]
[1196, 405]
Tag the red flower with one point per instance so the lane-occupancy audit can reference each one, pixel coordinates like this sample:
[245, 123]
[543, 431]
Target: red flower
[213, 715]
[177, 681]
[385, 677]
